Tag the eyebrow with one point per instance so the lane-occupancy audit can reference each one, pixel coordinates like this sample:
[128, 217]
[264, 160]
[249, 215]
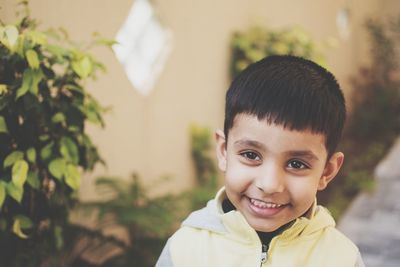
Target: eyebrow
[303, 154]
[252, 143]
[308, 154]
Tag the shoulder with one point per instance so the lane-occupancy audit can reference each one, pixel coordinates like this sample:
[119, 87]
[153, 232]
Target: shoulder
[335, 243]
[181, 248]
[325, 225]
[344, 247]
[330, 243]
[197, 228]
[185, 246]
[206, 218]
[331, 234]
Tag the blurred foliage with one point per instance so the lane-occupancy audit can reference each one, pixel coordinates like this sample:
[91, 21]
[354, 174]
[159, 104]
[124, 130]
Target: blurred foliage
[258, 42]
[374, 119]
[202, 155]
[139, 215]
[206, 172]
[44, 108]
[148, 221]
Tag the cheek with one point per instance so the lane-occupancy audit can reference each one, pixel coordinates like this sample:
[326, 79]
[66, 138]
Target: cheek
[238, 177]
[303, 189]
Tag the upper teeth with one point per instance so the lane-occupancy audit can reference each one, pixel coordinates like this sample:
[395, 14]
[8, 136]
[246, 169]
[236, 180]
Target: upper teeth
[262, 204]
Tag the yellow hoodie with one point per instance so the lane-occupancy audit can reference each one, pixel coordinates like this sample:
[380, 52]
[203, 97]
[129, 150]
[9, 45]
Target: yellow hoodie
[209, 237]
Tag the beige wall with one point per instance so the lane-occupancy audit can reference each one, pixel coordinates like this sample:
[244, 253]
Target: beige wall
[390, 7]
[149, 135]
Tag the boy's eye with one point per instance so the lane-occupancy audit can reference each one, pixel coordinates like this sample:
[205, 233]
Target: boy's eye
[250, 155]
[296, 164]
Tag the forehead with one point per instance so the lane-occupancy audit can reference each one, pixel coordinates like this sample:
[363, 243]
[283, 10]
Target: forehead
[248, 129]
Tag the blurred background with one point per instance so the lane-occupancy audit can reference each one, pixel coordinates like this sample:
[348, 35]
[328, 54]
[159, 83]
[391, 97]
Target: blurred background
[168, 65]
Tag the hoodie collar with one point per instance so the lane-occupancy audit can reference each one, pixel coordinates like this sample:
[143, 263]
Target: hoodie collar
[316, 218]
[213, 218]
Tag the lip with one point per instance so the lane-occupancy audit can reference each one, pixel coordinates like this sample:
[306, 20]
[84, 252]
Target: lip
[264, 209]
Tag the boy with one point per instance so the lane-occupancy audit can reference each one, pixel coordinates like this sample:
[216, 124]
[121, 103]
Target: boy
[283, 119]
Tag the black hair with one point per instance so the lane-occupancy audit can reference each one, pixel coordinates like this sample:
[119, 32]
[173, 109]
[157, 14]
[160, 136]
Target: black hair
[289, 91]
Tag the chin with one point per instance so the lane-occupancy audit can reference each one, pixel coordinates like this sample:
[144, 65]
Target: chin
[266, 230]
[262, 227]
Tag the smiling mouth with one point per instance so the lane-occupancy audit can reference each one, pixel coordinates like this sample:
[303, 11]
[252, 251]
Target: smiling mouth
[265, 205]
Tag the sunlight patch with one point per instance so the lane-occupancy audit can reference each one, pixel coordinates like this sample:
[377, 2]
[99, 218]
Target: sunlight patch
[143, 45]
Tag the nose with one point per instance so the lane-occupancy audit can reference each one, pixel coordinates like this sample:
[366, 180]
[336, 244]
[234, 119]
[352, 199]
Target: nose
[271, 179]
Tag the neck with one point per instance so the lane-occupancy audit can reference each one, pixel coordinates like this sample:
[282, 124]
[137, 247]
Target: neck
[266, 237]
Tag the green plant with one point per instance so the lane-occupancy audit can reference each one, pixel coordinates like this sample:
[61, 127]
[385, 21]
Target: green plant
[206, 171]
[44, 109]
[147, 220]
[374, 121]
[200, 139]
[258, 42]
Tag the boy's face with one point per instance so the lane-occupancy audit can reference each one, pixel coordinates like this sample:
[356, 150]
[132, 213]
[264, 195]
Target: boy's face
[272, 174]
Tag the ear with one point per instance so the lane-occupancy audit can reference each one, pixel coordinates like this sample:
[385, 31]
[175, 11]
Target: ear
[221, 149]
[332, 167]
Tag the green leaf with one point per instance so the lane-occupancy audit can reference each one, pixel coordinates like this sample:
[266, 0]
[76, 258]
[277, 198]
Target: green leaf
[26, 83]
[9, 36]
[2, 193]
[33, 180]
[57, 168]
[72, 177]
[4, 101]
[37, 38]
[69, 150]
[30, 82]
[106, 42]
[15, 192]
[37, 76]
[25, 222]
[74, 129]
[20, 172]
[58, 236]
[58, 117]
[58, 52]
[46, 151]
[17, 229]
[3, 125]
[3, 89]
[83, 67]
[12, 158]
[31, 155]
[20, 46]
[75, 88]
[92, 116]
[100, 40]
[11, 33]
[44, 137]
[33, 59]
[92, 111]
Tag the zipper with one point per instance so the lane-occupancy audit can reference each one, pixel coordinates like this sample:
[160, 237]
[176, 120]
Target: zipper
[264, 254]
